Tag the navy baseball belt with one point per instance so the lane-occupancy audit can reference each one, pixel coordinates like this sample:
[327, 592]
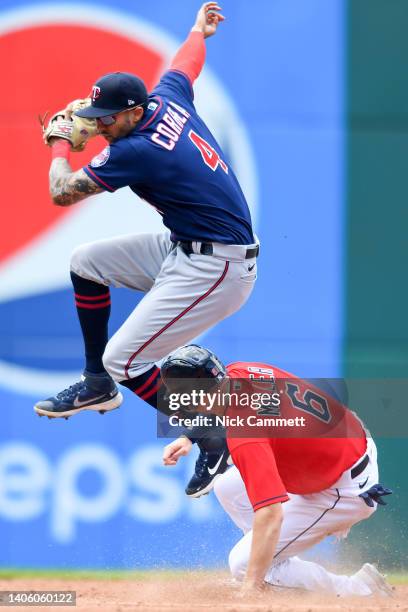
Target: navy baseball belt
[360, 467]
[206, 248]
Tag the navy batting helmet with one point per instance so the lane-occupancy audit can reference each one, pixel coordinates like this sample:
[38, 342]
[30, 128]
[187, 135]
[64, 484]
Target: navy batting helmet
[192, 362]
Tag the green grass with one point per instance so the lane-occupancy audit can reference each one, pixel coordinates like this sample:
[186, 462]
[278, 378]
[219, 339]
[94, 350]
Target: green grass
[398, 578]
[75, 574]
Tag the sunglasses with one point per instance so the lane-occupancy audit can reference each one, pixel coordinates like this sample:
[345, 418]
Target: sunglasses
[111, 119]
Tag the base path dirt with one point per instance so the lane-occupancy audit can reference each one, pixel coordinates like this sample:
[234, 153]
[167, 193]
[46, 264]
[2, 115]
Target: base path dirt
[192, 592]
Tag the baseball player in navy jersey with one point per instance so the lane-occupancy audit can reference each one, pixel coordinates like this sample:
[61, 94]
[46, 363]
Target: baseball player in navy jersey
[288, 489]
[194, 274]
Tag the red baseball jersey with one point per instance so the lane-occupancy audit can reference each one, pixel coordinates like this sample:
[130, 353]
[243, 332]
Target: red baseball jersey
[300, 460]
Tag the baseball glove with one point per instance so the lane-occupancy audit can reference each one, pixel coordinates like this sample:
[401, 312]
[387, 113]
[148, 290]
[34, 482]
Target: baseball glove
[64, 124]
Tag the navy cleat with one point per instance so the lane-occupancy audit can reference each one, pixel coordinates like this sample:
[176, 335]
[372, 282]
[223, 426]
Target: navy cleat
[208, 467]
[93, 392]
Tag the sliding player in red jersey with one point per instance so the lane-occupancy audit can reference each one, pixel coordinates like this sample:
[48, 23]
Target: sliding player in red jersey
[289, 488]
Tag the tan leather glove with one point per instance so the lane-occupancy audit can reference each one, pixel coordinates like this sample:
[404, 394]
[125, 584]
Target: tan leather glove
[63, 124]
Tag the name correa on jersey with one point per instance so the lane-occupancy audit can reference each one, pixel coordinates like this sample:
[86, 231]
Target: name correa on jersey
[172, 161]
[171, 126]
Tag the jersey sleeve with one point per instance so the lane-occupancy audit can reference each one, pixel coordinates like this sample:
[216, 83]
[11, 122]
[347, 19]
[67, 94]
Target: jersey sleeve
[257, 466]
[118, 165]
[190, 58]
[184, 70]
[175, 85]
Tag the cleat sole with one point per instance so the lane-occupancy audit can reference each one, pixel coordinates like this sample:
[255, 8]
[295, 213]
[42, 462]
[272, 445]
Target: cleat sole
[107, 406]
[204, 491]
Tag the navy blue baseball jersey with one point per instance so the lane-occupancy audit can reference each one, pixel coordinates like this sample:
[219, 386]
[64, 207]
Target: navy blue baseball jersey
[172, 161]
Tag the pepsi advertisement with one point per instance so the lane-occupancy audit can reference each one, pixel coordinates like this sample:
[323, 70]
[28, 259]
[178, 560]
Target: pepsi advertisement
[91, 491]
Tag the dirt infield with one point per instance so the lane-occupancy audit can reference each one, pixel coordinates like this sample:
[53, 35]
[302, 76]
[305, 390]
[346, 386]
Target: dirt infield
[191, 592]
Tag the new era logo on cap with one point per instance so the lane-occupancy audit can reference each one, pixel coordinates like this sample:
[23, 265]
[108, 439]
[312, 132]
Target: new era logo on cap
[130, 102]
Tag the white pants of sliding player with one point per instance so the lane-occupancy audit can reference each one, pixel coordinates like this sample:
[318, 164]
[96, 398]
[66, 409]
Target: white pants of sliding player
[307, 520]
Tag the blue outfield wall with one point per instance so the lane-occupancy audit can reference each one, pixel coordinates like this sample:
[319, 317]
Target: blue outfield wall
[91, 491]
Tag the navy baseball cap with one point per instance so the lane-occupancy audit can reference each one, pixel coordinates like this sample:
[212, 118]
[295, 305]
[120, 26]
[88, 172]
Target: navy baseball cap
[114, 92]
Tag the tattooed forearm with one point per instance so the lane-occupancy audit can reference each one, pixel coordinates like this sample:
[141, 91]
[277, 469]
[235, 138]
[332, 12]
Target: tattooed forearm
[67, 187]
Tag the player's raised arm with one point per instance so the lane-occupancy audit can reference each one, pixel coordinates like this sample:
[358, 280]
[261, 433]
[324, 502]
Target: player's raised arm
[208, 18]
[190, 57]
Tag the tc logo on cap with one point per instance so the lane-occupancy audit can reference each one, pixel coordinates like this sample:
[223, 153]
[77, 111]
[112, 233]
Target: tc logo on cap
[96, 92]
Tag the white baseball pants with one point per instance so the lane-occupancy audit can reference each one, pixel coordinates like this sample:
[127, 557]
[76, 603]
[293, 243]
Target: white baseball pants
[185, 294]
[307, 520]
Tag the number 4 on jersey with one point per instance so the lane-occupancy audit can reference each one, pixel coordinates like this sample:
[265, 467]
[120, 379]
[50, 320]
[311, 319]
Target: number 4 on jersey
[209, 155]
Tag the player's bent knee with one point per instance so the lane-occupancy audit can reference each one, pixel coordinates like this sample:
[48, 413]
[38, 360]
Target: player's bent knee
[89, 260]
[112, 364]
[80, 259]
[237, 564]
